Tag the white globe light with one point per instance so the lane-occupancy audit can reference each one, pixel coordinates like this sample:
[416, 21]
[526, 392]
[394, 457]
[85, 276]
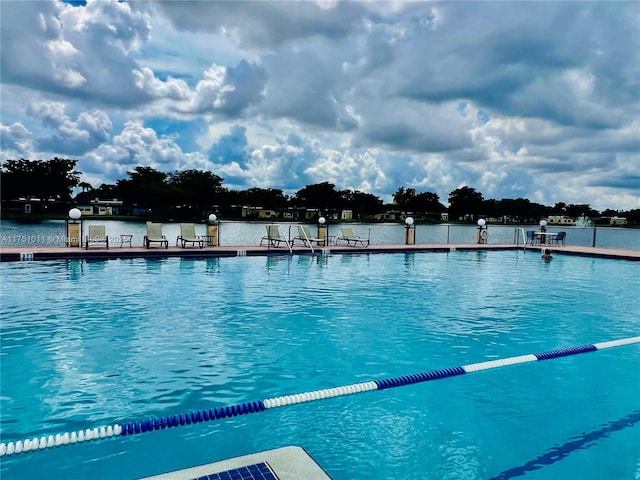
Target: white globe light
[75, 214]
[213, 218]
[543, 223]
[322, 220]
[481, 222]
[408, 221]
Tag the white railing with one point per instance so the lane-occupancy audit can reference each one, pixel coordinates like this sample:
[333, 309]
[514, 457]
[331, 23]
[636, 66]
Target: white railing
[523, 234]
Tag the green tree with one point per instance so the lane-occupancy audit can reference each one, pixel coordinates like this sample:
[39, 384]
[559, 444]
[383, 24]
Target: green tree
[146, 187]
[403, 198]
[560, 208]
[362, 204]
[196, 190]
[465, 201]
[269, 198]
[519, 210]
[427, 202]
[320, 195]
[632, 216]
[576, 210]
[53, 178]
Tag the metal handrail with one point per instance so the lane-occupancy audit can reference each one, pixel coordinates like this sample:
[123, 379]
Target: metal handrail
[524, 237]
[306, 239]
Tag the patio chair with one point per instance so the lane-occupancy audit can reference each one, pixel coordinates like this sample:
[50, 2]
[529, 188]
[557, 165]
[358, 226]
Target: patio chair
[351, 239]
[559, 239]
[155, 235]
[96, 235]
[274, 238]
[531, 237]
[304, 235]
[188, 235]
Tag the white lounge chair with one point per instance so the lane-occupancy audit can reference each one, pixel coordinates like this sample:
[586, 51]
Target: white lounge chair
[155, 235]
[274, 238]
[188, 235]
[96, 235]
[304, 235]
[351, 239]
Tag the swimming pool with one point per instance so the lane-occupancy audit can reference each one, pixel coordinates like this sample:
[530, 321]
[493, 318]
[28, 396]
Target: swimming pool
[90, 343]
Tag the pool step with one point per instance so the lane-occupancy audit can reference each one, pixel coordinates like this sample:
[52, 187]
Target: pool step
[286, 463]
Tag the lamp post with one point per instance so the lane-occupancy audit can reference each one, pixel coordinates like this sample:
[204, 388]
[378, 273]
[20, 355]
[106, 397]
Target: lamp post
[410, 231]
[323, 231]
[543, 229]
[213, 234]
[74, 228]
[482, 231]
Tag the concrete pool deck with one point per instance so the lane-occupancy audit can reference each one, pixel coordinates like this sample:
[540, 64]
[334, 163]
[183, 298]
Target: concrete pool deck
[8, 254]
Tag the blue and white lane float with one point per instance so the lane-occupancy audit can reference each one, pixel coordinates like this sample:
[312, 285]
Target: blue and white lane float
[131, 428]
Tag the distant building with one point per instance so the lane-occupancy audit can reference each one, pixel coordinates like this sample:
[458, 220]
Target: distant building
[106, 207]
[560, 220]
[386, 216]
[264, 213]
[346, 215]
[251, 212]
[34, 205]
[311, 213]
[617, 221]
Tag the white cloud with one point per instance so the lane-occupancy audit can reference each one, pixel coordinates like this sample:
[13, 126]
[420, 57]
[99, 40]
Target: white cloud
[144, 147]
[88, 131]
[534, 100]
[15, 140]
[174, 89]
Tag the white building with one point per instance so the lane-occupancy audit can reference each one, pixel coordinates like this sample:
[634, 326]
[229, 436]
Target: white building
[560, 220]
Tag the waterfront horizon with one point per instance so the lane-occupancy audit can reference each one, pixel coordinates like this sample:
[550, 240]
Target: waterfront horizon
[51, 233]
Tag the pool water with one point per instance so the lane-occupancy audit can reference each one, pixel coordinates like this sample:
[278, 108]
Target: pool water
[92, 343]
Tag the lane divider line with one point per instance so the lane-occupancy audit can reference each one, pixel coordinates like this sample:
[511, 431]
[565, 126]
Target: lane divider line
[132, 428]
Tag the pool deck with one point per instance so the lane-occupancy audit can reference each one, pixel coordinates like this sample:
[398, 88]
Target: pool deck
[8, 254]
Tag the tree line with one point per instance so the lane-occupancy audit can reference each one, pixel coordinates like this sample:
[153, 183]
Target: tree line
[195, 193]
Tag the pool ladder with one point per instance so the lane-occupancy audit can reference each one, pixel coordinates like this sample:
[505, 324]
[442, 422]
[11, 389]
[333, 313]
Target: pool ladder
[324, 250]
[522, 234]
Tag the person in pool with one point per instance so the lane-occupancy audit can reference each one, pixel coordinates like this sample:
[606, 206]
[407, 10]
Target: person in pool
[547, 255]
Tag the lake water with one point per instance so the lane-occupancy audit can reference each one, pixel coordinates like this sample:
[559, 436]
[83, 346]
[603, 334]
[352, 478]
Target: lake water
[238, 233]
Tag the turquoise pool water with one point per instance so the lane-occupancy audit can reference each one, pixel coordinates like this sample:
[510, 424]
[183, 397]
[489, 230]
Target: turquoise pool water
[91, 343]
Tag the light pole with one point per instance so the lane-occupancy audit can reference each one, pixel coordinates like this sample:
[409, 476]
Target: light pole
[213, 234]
[74, 228]
[410, 231]
[483, 234]
[543, 229]
[323, 231]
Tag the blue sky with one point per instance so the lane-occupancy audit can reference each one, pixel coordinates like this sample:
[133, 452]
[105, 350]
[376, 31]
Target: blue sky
[539, 100]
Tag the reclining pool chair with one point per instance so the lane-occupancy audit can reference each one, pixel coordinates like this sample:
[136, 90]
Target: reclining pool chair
[351, 239]
[274, 238]
[188, 235]
[96, 235]
[155, 235]
[304, 235]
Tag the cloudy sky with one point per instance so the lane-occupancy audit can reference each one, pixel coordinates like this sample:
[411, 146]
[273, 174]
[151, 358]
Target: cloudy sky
[539, 100]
